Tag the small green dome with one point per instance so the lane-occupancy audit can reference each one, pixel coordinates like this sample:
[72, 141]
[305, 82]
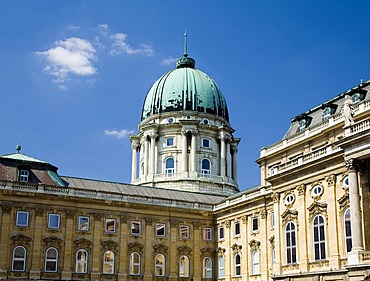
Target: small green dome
[185, 88]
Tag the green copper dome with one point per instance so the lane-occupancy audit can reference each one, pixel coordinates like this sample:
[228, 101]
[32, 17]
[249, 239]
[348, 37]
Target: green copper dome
[185, 88]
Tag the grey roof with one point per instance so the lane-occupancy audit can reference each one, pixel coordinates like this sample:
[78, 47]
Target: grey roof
[24, 158]
[142, 191]
[316, 114]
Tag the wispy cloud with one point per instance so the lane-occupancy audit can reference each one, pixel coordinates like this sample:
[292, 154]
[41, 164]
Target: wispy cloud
[73, 56]
[73, 27]
[168, 61]
[120, 46]
[118, 134]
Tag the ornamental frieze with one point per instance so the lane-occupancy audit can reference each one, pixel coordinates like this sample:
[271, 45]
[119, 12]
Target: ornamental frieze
[343, 202]
[207, 251]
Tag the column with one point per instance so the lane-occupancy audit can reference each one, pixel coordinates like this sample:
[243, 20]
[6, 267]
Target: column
[68, 244]
[134, 147]
[147, 260]
[152, 152]
[196, 262]
[146, 156]
[276, 268]
[35, 272]
[353, 166]
[223, 156]
[184, 151]
[234, 161]
[193, 150]
[122, 266]
[228, 155]
[4, 240]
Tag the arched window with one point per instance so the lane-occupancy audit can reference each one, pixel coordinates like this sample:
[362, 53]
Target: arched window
[108, 262]
[207, 267]
[134, 264]
[51, 260]
[170, 166]
[221, 267]
[347, 230]
[255, 262]
[19, 258]
[291, 243]
[319, 238]
[184, 266]
[81, 261]
[160, 265]
[237, 265]
[206, 167]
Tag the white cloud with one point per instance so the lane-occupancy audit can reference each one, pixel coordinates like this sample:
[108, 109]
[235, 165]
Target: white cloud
[120, 46]
[73, 27]
[98, 43]
[168, 61]
[118, 134]
[73, 56]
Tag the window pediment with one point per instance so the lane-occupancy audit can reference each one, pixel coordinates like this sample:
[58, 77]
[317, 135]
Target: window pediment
[160, 248]
[289, 215]
[135, 247]
[110, 245]
[52, 241]
[21, 239]
[317, 207]
[236, 248]
[82, 243]
[254, 244]
[184, 250]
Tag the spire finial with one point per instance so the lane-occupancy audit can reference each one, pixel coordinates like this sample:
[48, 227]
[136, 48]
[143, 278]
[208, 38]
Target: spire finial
[185, 44]
[18, 147]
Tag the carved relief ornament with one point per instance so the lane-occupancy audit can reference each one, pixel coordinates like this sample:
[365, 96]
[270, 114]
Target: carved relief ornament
[236, 248]
[52, 241]
[82, 243]
[21, 239]
[317, 207]
[289, 215]
[254, 244]
[109, 245]
[160, 248]
[135, 247]
[184, 250]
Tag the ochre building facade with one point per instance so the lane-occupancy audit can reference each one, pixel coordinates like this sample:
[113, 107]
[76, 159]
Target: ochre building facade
[182, 217]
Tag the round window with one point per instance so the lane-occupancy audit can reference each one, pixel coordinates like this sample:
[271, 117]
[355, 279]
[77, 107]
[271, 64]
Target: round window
[317, 190]
[170, 120]
[289, 199]
[205, 121]
[345, 182]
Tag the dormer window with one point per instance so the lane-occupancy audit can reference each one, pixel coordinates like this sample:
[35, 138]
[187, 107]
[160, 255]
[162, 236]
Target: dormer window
[358, 96]
[328, 111]
[303, 122]
[24, 175]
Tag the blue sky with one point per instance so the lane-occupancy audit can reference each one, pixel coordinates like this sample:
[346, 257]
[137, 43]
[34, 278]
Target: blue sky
[74, 74]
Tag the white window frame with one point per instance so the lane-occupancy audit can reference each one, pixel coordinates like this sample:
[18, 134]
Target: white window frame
[221, 267]
[133, 230]
[49, 260]
[184, 267]
[184, 232]
[17, 259]
[169, 139]
[159, 268]
[236, 228]
[24, 175]
[221, 237]
[347, 228]
[82, 265]
[321, 241]
[254, 224]
[206, 140]
[51, 215]
[207, 234]
[108, 263]
[135, 266]
[206, 172]
[159, 226]
[207, 268]
[256, 262]
[108, 223]
[291, 237]
[272, 220]
[171, 170]
[27, 218]
[83, 223]
[237, 265]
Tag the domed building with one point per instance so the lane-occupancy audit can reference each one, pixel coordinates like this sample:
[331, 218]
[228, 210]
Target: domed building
[185, 139]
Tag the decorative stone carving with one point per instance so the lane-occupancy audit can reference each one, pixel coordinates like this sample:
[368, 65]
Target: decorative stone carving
[263, 214]
[160, 248]
[196, 224]
[353, 165]
[184, 250]
[317, 207]
[289, 215]
[70, 213]
[39, 211]
[220, 251]
[149, 221]
[301, 189]
[207, 251]
[244, 219]
[236, 248]
[331, 180]
[254, 244]
[275, 197]
[348, 111]
[272, 240]
[227, 224]
[109, 245]
[123, 219]
[135, 247]
[21, 239]
[343, 202]
[82, 243]
[97, 216]
[6, 208]
[52, 241]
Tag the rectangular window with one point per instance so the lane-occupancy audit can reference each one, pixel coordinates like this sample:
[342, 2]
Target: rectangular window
[22, 218]
[272, 220]
[160, 230]
[236, 228]
[110, 225]
[169, 141]
[83, 223]
[206, 143]
[254, 224]
[136, 227]
[207, 233]
[54, 221]
[184, 232]
[221, 233]
[24, 175]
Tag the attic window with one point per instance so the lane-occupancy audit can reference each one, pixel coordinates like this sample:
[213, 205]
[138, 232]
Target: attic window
[328, 111]
[303, 122]
[359, 96]
[24, 175]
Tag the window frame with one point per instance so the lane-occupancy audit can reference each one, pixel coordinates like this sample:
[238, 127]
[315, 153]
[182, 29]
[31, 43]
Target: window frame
[50, 215]
[157, 225]
[51, 260]
[291, 243]
[221, 233]
[134, 264]
[24, 175]
[207, 268]
[320, 242]
[254, 224]
[347, 228]
[182, 229]
[84, 263]
[184, 270]
[256, 265]
[205, 140]
[133, 230]
[17, 259]
[207, 233]
[237, 265]
[204, 170]
[170, 170]
[221, 267]
[237, 228]
[83, 223]
[110, 263]
[158, 266]
[18, 214]
[170, 139]
[107, 227]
